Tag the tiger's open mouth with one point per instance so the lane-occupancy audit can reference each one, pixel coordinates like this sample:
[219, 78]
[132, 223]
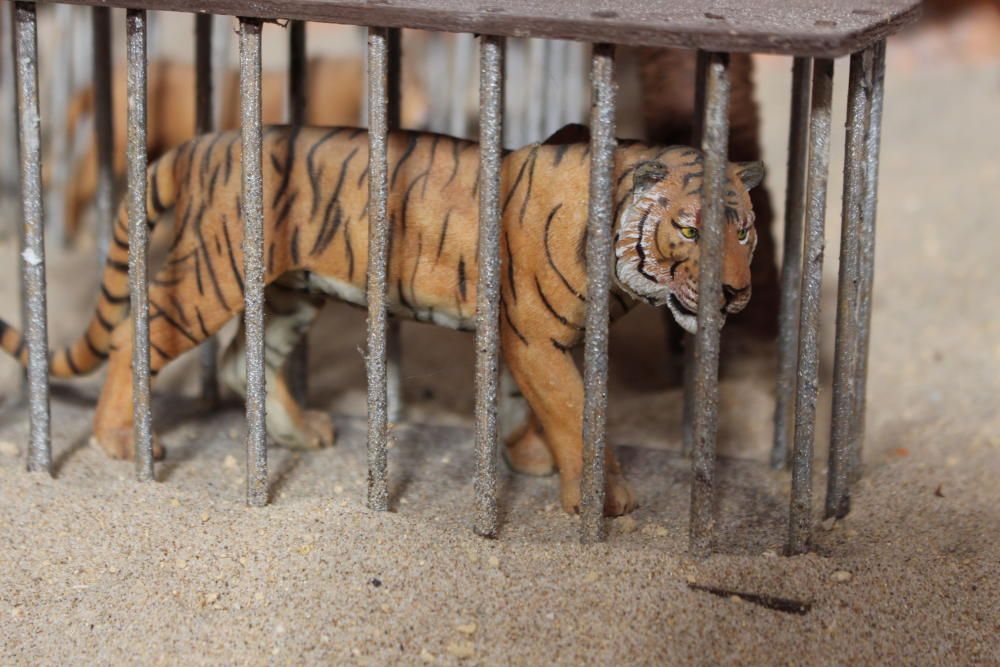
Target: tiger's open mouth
[684, 316]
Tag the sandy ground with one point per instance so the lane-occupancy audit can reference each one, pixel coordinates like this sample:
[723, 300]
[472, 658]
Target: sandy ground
[97, 569]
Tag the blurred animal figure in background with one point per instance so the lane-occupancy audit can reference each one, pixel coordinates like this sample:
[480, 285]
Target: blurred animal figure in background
[335, 97]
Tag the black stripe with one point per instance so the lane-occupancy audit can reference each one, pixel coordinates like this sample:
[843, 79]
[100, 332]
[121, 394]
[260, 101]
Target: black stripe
[107, 326]
[548, 255]
[559, 346]
[406, 155]
[510, 268]
[510, 323]
[444, 231]
[232, 259]
[160, 312]
[311, 167]
[201, 323]
[461, 277]
[73, 368]
[430, 163]
[454, 167]
[286, 209]
[156, 200]
[206, 159]
[527, 194]
[121, 267]
[517, 181]
[287, 175]
[553, 311]
[350, 251]
[112, 298]
[639, 250]
[94, 350]
[295, 246]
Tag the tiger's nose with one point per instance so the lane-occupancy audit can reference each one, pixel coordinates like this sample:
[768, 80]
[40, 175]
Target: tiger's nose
[730, 293]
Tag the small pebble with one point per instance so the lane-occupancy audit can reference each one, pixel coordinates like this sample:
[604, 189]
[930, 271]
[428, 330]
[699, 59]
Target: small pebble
[626, 524]
[174, 502]
[461, 650]
[841, 576]
[426, 655]
[229, 462]
[467, 628]
[493, 561]
[204, 517]
[828, 524]
[181, 563]
[9, 449]
[591, 577]
[338, 489]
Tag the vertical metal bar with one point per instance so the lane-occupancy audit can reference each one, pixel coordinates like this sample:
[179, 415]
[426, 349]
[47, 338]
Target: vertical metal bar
[394, 334]
[595, 353]
[138, 240]
[204, 121]
[866, 255]
[297, 367]
[807, 389]
[104, 197]
[688, 376]
[378, 260]
[705, 385]
[791, 261]
[253, 258]
[555, 85]
[838, 500]
[60, 88]
[534, 89]
[297, 74]
[461, 69]
[491, 96]
[25, 25]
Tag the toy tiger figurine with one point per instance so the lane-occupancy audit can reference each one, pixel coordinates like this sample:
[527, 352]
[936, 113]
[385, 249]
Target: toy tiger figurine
[315, 190]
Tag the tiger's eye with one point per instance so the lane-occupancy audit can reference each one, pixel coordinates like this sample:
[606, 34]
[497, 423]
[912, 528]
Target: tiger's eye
[743, 233]
[689, 232]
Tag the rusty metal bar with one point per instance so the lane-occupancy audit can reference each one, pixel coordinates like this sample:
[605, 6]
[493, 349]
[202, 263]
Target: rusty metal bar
[104, 196]
[25, 26]
[60, 87]
[393, 333]
[791, 261]
[866, 255]
[297, 367]
[253, 259]
[138, 241]
[204, 121]
[838, 499]
[595, 352]
[800, 511]
[705, 387]
[491, 98]
[688, 360]
[378, 260]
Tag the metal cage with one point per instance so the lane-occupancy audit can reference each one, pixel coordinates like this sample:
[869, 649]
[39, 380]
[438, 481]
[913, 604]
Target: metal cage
[787, 28]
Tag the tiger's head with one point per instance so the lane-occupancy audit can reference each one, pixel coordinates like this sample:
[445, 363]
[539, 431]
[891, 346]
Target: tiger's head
[657, 244]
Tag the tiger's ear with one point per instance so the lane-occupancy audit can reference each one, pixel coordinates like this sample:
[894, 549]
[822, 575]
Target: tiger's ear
[574, 133]
[648, 174]
[751, 173]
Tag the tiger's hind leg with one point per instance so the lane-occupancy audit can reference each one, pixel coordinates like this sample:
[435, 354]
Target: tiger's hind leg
[173, 329]
[525, 450]
[289, 311]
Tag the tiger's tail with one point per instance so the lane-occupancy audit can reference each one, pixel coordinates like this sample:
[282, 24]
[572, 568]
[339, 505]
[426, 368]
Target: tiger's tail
[90, 350]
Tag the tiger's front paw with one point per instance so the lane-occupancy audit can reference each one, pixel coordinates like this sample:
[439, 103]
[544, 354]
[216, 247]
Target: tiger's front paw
[619, 498]
[119, 443]
[529, 455]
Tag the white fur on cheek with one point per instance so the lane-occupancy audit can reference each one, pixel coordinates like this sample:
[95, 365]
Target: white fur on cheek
[627, 272]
